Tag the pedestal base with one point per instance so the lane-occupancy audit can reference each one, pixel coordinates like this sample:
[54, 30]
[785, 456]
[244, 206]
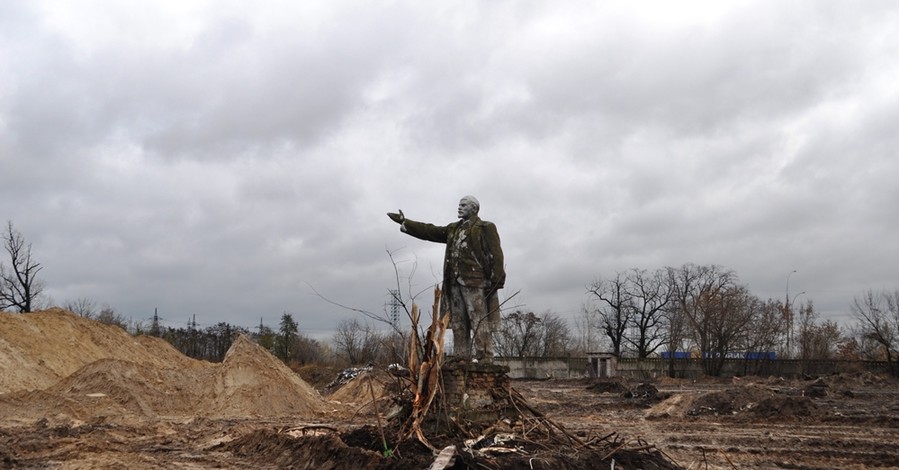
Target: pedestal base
[470, 392]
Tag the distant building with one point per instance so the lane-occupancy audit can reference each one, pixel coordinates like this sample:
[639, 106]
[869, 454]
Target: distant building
[602, 365]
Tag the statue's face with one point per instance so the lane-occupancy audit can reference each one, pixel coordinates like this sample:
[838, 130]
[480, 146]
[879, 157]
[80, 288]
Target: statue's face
[466, 209]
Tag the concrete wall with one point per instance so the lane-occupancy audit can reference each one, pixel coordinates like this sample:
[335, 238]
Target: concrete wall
[644, 369]
[543, 368]
[693, 368]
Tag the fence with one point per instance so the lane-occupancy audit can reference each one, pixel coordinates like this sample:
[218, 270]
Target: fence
[542, 368]
[642, 369]
[693, 368]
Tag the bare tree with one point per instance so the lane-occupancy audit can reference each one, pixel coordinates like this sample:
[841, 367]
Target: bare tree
[676, 323]
[877, 317]
[718, 310]
[586, 339]
[523, 335]
[82, 306]
[614, 309]
[849, 349]
[555, 340]
[817, 339]
[866, 348]
[308, 350]
[109, 316]
[649, 295]
[769, 329]
[737, 310]
[19, 286]
[518, 335]
[357, 342]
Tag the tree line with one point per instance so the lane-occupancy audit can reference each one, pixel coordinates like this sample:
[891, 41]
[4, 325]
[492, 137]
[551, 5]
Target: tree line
[354, 342]
[702, 310]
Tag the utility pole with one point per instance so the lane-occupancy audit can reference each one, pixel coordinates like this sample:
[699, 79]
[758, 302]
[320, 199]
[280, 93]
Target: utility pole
[192, 328]
[154, 327]
[788, 314]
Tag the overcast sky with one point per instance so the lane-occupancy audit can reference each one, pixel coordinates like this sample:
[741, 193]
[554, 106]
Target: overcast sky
[223, 159]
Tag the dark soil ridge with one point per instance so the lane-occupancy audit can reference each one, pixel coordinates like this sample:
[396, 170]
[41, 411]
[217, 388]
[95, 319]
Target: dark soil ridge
[361, 448]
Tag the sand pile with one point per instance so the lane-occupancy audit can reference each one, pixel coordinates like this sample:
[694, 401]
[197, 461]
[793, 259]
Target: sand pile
[359, 389]
[37, 349]
[109, 389]
[252, 382]
[355, 397]
[56, 365]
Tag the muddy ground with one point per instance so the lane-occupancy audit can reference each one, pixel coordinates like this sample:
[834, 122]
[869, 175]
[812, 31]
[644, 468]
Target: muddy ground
[75, 394]
[855, 426]
[837, 422]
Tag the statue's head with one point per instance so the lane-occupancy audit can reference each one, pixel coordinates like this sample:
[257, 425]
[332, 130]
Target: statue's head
[468, 207]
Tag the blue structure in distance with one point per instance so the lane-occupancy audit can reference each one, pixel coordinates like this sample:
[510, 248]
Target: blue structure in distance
[749, 356]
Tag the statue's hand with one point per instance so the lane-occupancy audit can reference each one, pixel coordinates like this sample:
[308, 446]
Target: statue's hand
[398, 218]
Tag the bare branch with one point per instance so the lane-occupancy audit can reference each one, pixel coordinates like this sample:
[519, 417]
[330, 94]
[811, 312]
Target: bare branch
[19, 286]
[368, 314]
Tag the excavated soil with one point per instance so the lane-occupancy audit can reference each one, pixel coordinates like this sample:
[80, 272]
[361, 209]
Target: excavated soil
[76, 394]
[852, 422]
[67, 370]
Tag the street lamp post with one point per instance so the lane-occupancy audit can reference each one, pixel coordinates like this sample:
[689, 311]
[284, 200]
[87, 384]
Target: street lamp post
[792, 323]
[788, 313]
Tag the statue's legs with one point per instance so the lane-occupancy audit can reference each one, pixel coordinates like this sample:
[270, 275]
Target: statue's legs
[459, 322]
[487, 323]
[473, 314]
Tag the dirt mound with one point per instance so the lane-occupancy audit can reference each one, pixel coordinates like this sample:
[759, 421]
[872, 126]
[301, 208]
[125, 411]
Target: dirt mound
[164, 354]
[361, 449]
[816, 389]
[645, 391]
[101, 389]
[859, 379]
[112, 387]
[729, 401]
[784, 407]
[775, 381]
[608, 386]
[355, 397]
[37, 349]
[676, 406]
[252, 382]
[272, 449]
[357, 389]
[753, 401]
[57, 365]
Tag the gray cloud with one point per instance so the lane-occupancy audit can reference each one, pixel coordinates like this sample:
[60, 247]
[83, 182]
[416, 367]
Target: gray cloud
[216, 160]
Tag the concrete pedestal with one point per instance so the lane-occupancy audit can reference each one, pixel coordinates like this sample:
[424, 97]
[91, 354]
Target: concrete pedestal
[469, 392]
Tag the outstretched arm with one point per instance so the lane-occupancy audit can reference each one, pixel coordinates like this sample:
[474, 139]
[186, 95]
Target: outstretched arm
[429, 232]
[397, 217]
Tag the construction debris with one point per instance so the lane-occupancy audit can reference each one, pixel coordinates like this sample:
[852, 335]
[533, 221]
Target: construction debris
[346, 375]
